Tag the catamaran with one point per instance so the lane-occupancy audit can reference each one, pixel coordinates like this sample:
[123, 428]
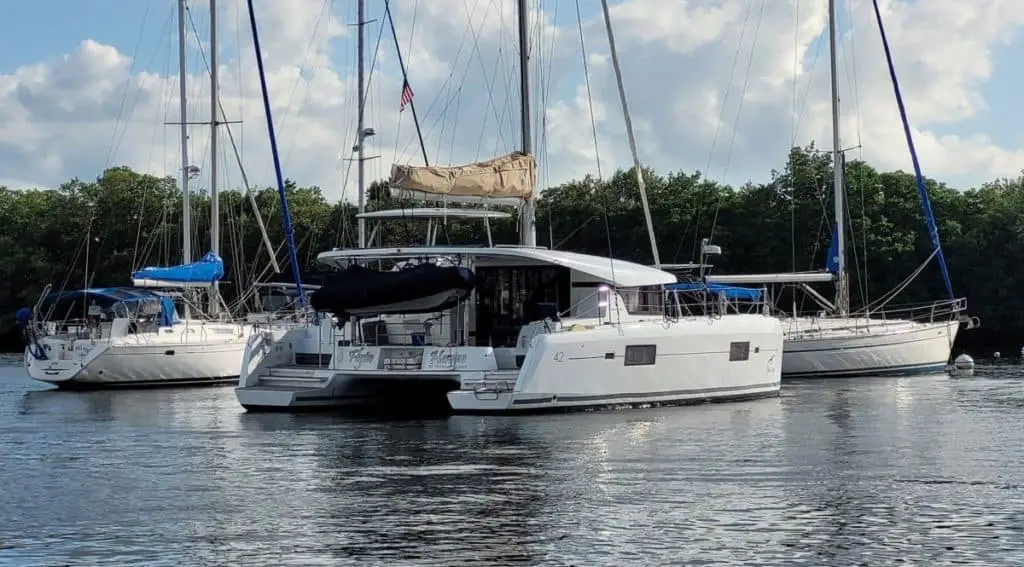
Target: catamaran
[511, 328]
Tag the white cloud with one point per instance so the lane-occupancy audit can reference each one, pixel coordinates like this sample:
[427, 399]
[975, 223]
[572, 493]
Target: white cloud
[72, 115]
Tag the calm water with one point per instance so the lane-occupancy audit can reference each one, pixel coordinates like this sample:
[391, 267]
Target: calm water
[871, 472]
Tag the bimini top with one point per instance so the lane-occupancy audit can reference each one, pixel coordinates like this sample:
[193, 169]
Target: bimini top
[731, 292]
[102, 295]
[197, 274]
[433, 213]
[616, 272]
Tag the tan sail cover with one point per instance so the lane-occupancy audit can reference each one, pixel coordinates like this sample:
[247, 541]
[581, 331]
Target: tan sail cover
[511, 175]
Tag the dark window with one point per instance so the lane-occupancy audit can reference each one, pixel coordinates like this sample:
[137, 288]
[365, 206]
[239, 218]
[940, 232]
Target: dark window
[638, 355]
[739, 351]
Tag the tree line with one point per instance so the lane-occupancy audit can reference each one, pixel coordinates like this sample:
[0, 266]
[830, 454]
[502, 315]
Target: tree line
[98, 232]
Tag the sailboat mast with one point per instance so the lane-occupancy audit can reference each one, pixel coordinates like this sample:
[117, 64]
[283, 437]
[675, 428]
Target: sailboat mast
[214, 195]
[528, 229]
[186, 201]
[842, 288]
[630, 136]
[361, 128]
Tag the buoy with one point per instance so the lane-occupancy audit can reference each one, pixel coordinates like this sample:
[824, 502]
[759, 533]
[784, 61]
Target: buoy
[996, 355]
[963, 365]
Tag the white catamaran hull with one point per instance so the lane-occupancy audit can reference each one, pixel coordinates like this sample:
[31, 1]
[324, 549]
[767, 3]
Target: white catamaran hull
[850, 348]
[692, 360]
[148, 359]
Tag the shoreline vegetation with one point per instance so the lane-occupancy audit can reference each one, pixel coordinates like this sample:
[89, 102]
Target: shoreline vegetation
[125, 220]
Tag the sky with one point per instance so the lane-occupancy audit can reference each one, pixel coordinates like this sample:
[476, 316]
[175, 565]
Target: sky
[720, 86]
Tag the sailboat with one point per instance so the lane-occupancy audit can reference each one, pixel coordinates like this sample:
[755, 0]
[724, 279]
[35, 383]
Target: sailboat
[536, 330]
[837, 342]
[134, 336]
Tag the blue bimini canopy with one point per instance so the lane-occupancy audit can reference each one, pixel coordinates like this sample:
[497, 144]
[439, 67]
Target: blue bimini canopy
[197, 274]
[106, 298]
[731, 292]
[101, 295]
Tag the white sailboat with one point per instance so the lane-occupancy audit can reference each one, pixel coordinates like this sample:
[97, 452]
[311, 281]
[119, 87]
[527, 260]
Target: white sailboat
[133, 336]
[836, 342]
[538, 329]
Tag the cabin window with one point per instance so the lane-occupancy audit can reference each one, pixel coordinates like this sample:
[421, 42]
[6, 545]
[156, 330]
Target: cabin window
[739, 351]
[508, 298]
[645, 300]
[640, 355]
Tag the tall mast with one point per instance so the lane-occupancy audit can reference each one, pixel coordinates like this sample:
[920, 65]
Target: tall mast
[842, 289]
[361, 128]
[629, 134]
[214, 195]
[528, 229]
[186, 201]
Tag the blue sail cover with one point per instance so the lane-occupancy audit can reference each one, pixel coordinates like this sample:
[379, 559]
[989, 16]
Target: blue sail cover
[832, 260]
[731, 292]
[204, 272]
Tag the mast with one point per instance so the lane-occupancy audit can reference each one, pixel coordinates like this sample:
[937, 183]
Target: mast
[361, 128]
[186, 201]
[214, 195]
[286, 217]
[842, 289]
[528, 229]
[632, 139]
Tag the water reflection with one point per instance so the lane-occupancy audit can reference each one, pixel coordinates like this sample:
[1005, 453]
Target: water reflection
[832, 473]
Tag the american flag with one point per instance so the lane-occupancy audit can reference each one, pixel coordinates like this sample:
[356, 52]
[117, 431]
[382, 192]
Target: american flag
[406, 96]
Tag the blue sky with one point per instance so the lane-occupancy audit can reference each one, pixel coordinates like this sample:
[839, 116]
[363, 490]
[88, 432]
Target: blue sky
[673, 54]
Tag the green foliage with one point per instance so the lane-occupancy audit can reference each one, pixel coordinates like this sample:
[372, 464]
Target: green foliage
[124, 220]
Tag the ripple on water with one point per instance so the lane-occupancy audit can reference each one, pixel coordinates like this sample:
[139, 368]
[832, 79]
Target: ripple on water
[844, 472]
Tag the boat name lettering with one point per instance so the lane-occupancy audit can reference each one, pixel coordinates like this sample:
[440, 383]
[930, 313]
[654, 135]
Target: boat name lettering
[360, 357]
[447, 358]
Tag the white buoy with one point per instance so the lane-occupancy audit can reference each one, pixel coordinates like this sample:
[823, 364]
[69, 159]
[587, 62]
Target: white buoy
[996, 355]
[963, 365]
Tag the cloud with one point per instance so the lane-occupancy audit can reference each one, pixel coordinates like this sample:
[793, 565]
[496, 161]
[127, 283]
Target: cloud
[715, 85]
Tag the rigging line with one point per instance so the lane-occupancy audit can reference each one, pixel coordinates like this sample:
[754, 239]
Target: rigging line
[807, 89]
[926, 206]
[142, 205]
[739, 110]
[547, 84]
[490, 83]
[448, 80]
[455, 63]
[127, 82]
[718, 124]
[455, 124]
[238, 156]
[313, 39]
[792, 133]
[405, 76]
[852, 63]
[120, 135]
[858, 119]
[590, 97]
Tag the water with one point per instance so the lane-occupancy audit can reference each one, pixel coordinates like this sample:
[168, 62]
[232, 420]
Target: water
[921, 470]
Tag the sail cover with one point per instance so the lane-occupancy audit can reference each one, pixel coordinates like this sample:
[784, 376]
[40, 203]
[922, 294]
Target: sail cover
[362, 291]
[204, 272]
[513, 175]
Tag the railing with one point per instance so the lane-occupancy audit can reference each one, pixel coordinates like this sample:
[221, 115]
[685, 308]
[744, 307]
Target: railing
[947, 310]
